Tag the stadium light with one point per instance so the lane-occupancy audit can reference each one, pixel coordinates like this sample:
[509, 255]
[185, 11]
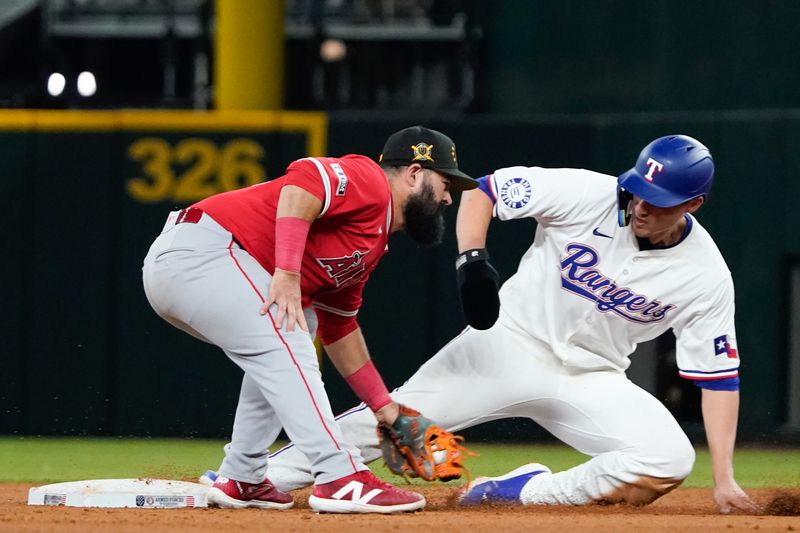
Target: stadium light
[87, 85]
[56, 83]
[332, 50]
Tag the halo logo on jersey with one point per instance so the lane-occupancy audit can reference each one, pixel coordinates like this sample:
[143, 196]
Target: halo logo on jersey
[580, 278]
[516, 192]
[655, 166]
[344, 270]
[725, 345]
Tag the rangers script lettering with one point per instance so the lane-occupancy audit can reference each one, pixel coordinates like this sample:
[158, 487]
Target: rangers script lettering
[591, 284]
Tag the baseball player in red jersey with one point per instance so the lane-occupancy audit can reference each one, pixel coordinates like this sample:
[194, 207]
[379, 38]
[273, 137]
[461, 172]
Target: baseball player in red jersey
[259, 271]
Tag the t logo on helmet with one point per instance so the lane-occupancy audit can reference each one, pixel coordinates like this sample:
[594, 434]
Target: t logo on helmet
[655, 166]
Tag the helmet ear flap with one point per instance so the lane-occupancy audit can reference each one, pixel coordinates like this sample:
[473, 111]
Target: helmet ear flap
[624, 200]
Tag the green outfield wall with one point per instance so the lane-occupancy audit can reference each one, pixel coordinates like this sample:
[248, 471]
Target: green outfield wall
[627, 55]
[83, 194]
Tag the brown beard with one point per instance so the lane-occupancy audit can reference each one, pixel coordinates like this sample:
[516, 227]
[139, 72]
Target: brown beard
[424, 217]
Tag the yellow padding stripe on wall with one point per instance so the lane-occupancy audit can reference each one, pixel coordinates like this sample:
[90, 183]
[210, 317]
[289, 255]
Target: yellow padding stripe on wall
[315, 124]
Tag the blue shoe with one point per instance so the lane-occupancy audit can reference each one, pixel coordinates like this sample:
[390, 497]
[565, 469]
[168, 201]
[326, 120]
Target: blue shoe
[501, 489]
[208, 478]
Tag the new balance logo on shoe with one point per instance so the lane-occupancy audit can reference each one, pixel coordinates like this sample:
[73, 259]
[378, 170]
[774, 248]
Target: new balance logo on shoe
[355, 488]
[362, 492]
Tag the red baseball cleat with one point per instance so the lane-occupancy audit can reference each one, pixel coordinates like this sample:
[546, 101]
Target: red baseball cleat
[239, 494]
[362, 492]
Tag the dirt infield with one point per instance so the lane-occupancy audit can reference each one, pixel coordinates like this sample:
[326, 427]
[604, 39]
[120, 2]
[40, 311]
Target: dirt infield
[682, 510]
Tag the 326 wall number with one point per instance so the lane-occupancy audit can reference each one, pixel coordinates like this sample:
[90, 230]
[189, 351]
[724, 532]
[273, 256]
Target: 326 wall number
[193, 168]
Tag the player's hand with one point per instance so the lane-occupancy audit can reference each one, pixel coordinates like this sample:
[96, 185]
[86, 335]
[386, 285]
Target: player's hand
[388, 413]
[284, 292]
[729, 497]
[478, 284]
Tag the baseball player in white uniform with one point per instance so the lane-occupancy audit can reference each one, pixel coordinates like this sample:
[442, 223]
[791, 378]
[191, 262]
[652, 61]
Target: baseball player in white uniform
[615, 261]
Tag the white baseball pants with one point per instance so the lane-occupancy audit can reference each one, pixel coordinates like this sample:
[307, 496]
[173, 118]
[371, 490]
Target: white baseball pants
[638, 450]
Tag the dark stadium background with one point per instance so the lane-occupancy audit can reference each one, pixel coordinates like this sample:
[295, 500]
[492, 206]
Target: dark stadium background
[513, 82]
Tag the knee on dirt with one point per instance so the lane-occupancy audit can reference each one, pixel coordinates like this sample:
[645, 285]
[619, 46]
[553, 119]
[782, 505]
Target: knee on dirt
[659, 471]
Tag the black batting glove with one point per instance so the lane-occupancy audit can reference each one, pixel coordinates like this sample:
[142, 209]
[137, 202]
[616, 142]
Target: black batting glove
[478, 284]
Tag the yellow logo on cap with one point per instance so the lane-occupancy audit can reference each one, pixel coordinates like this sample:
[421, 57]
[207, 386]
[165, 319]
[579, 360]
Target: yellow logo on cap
[422, 152]
[453, 153]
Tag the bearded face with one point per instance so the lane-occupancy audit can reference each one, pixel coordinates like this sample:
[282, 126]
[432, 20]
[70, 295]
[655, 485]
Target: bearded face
[424, 216]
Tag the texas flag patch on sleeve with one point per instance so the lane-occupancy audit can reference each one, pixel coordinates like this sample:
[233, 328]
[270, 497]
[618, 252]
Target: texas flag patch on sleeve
[725, 345]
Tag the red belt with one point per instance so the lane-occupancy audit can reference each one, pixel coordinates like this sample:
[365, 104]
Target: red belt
[190, 215]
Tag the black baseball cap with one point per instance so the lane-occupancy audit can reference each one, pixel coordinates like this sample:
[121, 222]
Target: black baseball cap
[430, 149]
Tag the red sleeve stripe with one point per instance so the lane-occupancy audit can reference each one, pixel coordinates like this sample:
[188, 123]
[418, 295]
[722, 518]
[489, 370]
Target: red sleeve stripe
[314, 401]
[493, 187]
[326, 180]
[334, 310]
[707, 376]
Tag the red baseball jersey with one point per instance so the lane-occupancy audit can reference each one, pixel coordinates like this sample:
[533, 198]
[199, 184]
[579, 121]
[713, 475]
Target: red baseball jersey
[344, 244]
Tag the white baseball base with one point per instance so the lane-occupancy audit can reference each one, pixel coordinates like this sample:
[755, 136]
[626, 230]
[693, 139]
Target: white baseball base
[138, 493]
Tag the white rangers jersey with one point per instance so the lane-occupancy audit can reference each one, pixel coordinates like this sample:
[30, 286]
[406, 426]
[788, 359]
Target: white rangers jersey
[585, 289]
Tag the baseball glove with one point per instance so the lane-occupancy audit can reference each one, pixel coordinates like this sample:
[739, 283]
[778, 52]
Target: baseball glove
[416, 447]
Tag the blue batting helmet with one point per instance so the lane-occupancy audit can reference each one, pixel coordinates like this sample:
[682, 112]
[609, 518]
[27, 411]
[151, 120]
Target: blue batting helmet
[670, 170]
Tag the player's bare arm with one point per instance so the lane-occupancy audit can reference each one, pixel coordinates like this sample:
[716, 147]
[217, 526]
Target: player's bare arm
[472, 224]
[720, 417]
[297, 208]
[349, 355]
